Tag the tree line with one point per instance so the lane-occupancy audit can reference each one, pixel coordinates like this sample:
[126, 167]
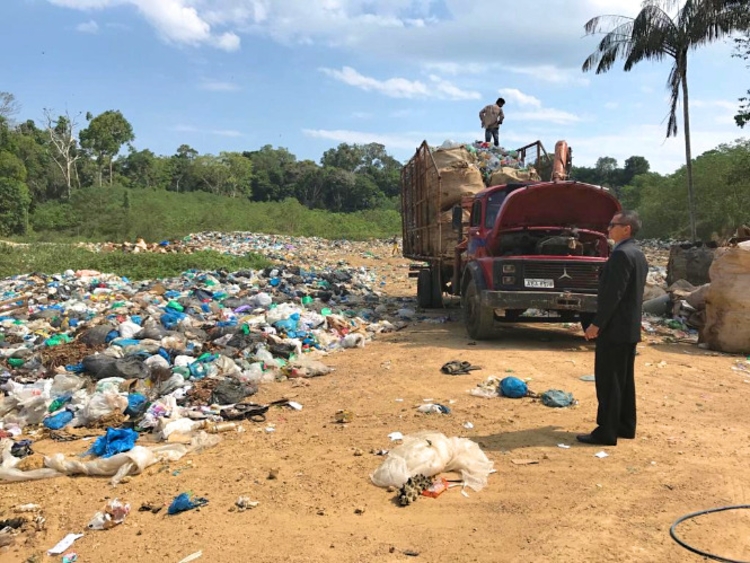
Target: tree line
[50, 161]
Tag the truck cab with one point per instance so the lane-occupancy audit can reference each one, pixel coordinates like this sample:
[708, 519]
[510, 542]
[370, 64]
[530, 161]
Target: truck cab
[533, 253]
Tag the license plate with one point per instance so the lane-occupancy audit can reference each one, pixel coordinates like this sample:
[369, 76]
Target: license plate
[536, 283]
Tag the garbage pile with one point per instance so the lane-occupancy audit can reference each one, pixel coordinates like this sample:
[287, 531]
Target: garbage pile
[175, 356]
[302, 251]
[497, 165]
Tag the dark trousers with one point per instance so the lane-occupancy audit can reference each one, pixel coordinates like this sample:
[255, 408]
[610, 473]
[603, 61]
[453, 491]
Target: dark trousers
[615, 391]
[491, 133]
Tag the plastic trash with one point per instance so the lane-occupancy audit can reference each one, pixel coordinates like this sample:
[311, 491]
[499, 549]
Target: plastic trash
[113, 514]
[58, 421]
[431, 453]
[513, 387]
[184, 502]
[557, 398]
[115, 441]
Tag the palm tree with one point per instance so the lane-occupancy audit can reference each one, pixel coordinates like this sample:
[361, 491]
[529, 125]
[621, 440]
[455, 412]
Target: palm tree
[656, 35]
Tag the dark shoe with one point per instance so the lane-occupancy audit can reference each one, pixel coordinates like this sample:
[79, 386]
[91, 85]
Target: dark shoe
[626, 436]
[591, 439]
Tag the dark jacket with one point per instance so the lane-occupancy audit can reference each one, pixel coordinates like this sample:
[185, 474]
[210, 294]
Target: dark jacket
[620, 300]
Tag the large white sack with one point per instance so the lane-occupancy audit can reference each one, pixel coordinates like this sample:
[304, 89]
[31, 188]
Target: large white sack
[431, 453]
[727, 325]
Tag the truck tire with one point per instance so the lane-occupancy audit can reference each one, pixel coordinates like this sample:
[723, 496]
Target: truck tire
[424, 289]
[437, 289]
[480, 321]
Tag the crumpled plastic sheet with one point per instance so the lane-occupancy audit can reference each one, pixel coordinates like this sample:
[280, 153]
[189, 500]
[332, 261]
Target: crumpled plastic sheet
[118, 466]
[431, 453]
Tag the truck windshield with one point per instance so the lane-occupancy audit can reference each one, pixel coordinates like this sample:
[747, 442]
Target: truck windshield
[493, 206]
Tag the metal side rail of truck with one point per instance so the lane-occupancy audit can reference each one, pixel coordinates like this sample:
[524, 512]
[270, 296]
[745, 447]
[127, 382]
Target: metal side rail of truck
[524, 252]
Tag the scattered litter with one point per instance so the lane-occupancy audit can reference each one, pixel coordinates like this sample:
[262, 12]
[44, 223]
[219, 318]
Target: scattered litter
[434, 408]
[563, 446]
[343, 416]
[557, 399]
[468, 425]
[70, 557]
[295, 405]
[244, 503]
[458, 367]
[113, 513]
[394, 436]
[588, 378]
[64, 544]
[184, 502]
[431, 453]
[192, 557]
[601, 455]
[524, 461]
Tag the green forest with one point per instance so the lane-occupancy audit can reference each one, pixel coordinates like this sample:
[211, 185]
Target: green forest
[59, 181]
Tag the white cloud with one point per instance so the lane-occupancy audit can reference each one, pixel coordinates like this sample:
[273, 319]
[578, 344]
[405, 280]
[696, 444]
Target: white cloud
[549, 115]
[401, 87]
[176, 21]
[451, 34]
[218, 86]
[88, 27]
[513, 95]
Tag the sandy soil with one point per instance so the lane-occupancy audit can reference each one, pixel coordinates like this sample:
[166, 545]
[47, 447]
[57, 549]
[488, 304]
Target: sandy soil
[568, 506]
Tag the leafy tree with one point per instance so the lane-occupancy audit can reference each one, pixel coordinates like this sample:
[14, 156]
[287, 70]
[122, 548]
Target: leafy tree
[104, 136]
[183, 164]
[240, 174]
[273, 173]
[656, 35]
[742, 50]
[14, 206]
[142, 168]
[11, 167]
[634, 166]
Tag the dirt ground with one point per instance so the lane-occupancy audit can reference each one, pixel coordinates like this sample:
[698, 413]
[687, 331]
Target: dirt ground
[567, 506]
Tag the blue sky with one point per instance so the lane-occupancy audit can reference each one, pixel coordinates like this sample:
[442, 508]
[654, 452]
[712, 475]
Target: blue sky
[309, 74]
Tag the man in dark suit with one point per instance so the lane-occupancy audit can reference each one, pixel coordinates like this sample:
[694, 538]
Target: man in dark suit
[617, 329]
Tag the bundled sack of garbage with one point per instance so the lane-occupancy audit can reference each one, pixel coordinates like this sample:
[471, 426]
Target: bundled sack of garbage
[431, 453]
[727, 327]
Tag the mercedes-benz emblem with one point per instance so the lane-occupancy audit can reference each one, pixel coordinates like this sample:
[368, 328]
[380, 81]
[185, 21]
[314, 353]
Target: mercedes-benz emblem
[565, 275]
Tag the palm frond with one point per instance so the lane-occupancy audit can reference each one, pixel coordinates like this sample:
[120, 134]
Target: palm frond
[673, 85]
[614, 45]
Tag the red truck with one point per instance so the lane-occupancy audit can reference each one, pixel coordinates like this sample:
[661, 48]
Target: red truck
[528, 251]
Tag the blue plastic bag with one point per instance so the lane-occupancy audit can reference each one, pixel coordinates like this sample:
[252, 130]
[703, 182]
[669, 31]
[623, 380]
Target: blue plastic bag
[183, 502]
[58, 421]
[115, 441]
[557, 398]
[513, 387]
[136, 405]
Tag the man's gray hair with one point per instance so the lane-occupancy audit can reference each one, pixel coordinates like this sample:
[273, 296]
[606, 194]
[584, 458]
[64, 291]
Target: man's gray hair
[630, 218]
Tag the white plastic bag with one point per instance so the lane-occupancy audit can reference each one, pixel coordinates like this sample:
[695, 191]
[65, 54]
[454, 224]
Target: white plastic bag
[103, 404]
[431, 453]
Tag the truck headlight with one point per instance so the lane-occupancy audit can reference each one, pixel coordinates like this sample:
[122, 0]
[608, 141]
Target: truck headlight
[509, 268]
[509, 280]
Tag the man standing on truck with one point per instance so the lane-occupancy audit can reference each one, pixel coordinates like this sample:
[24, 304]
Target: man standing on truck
[492, 117]
[617, 330]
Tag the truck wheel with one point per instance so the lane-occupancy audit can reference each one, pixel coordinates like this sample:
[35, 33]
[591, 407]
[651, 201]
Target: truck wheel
[480, 321]
[437, 289]
[424, 289]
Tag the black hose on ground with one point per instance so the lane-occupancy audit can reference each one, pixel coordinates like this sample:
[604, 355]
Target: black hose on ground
[701, 513]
